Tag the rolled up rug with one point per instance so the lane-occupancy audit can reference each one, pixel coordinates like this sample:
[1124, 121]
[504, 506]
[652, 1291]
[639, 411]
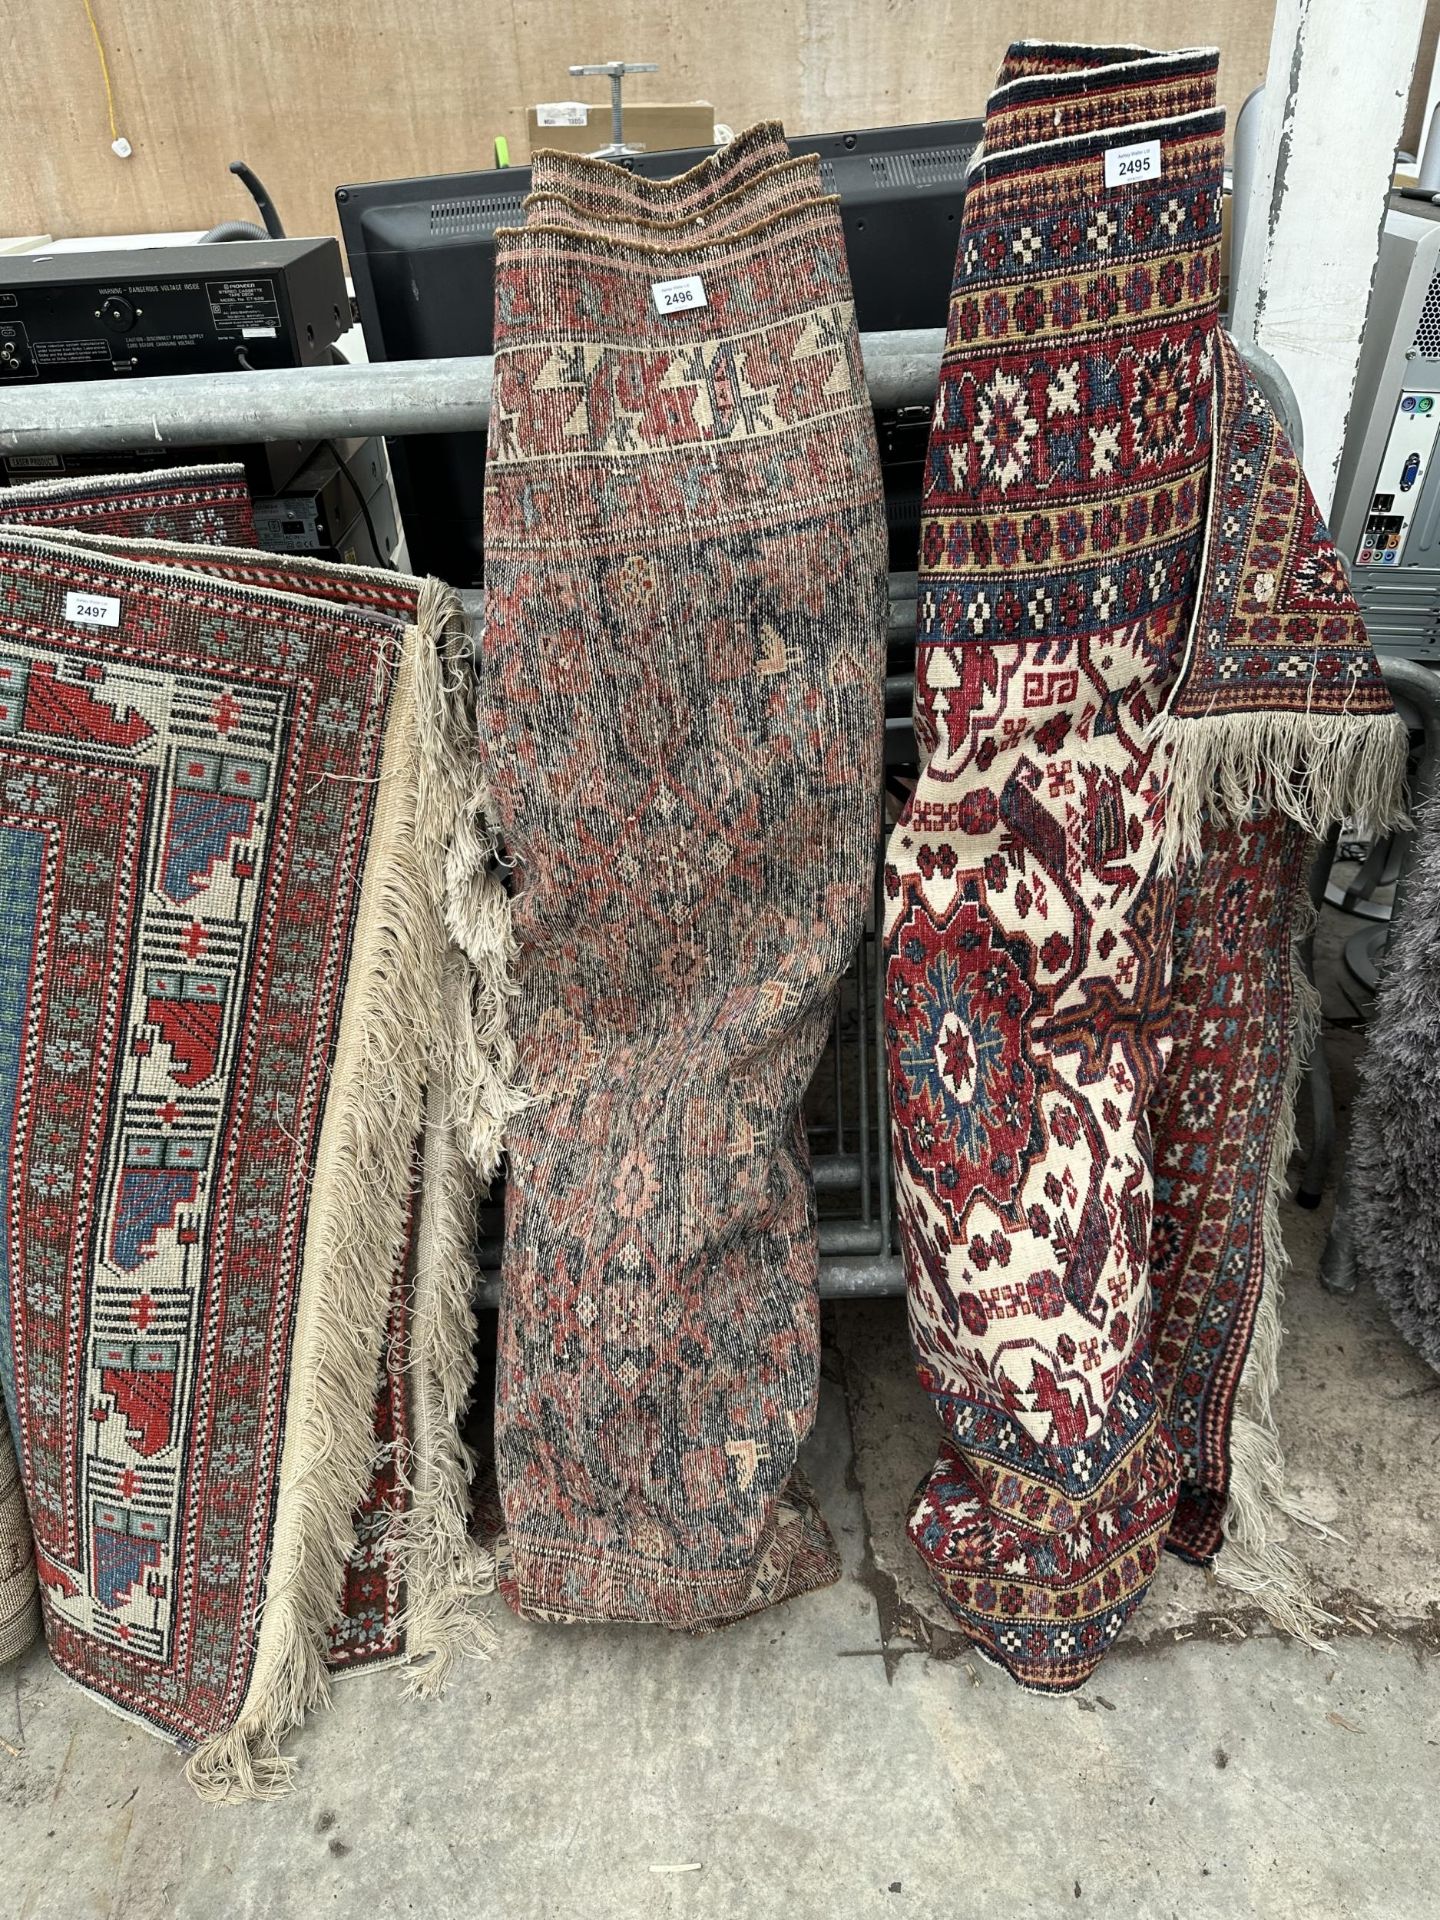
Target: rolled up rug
[1134, 635]
[682, 707]
[247, 874]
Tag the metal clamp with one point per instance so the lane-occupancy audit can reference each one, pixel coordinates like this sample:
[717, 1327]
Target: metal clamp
[615, 71]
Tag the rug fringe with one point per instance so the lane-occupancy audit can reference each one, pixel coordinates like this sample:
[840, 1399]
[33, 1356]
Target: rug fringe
[378, 1095]
[1312, 768]
[245, 1763]
[450, 1630]
[472, 1096]
[480, 1065]
[1252, 1560]
[446, 1570]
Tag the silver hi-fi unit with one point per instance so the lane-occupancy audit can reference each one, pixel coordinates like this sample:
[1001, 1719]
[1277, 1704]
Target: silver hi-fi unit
[1386, 514]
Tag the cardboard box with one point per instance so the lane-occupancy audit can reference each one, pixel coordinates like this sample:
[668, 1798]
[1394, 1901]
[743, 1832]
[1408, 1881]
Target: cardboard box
[576, 126]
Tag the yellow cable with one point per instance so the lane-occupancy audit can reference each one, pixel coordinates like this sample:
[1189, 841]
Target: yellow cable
[104, 68]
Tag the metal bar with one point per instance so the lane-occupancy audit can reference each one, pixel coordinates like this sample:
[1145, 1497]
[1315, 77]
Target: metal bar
[396, 397]
[288, 403]
[848, 1236]
[851, 1277]
[855, 1279]
[837, 1172]
[862, 1071]
[882, 1090]
[838, 1016]
[317, 403]
[836, 1237]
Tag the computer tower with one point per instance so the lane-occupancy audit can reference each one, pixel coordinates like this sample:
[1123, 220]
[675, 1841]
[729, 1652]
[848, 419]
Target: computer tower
[1386, 513]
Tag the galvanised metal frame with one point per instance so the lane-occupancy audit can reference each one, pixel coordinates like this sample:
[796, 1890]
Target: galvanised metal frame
[396, 397]
[858, 1245]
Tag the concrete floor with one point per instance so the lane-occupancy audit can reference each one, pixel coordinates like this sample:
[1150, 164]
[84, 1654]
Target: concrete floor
[842, 1756]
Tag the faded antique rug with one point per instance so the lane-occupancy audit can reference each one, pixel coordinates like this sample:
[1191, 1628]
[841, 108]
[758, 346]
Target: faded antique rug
[238, 1323]
[682, 721]
[1141, 683]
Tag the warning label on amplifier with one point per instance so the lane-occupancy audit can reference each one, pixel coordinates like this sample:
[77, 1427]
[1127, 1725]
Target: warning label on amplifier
[71, 353]
[247, 309]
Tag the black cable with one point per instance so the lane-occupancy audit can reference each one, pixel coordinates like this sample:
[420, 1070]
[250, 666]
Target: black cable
[362, 503]
[233, 230]
[272, 229]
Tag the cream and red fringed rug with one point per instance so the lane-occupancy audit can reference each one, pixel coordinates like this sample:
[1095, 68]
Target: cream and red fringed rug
[191, 504]
[250, 1050]
[682, 724]
[1142, 684]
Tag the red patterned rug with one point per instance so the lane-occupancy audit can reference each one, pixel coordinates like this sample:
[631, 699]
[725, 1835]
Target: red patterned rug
[218, 860]
[1141, 679]
[1223, 1130]
[186, 504]
[210, 506]
[196, 506]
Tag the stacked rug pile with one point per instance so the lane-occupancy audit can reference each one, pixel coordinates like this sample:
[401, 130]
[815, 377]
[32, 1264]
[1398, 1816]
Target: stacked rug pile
[253, 955]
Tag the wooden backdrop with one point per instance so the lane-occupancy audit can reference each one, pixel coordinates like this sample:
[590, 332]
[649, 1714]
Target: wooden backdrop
[314, 93]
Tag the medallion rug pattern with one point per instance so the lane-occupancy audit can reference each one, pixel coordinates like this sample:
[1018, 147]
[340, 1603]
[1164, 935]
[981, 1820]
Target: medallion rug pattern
[1126, 600]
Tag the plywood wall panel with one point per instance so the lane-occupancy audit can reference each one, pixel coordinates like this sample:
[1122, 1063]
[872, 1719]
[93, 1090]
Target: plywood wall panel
[313, 92]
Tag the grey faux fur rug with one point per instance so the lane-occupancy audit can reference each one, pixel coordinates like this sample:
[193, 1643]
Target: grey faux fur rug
[1394, 1170]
